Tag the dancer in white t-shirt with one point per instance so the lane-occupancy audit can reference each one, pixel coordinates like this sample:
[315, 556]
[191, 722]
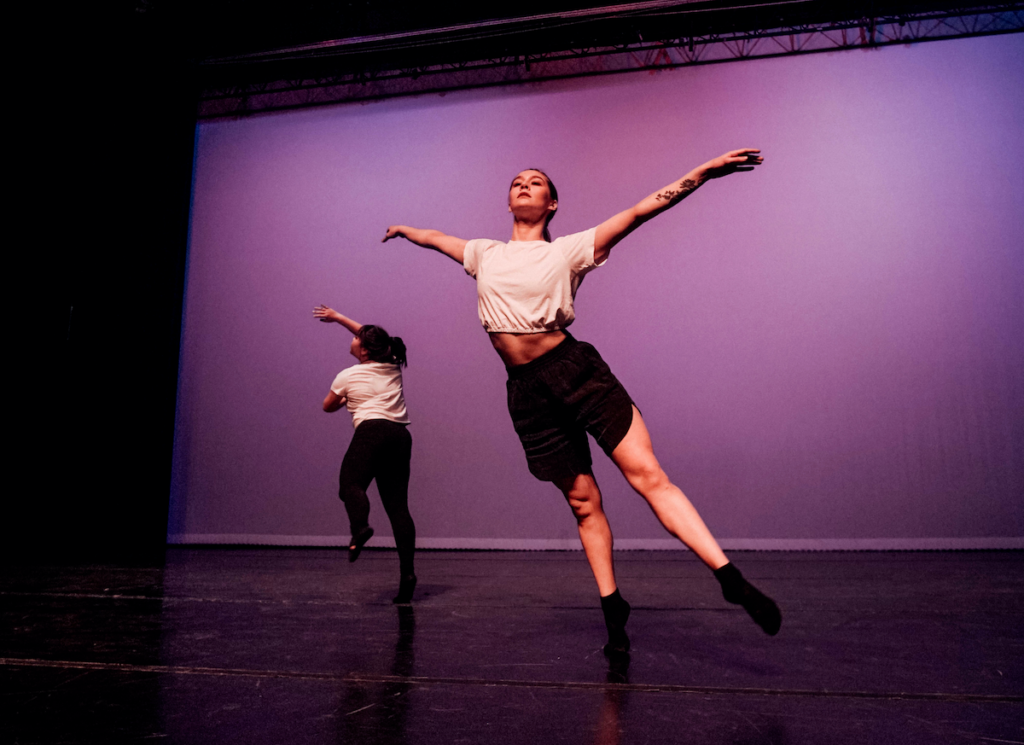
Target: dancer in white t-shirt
[381, 447]
[559, 389]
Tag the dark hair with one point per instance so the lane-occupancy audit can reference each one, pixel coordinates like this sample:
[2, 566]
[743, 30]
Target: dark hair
[554, 196]
[380, 347]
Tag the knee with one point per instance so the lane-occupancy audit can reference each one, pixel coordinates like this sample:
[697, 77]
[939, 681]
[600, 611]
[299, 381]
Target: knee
[648, 479]
[581, 509]
[585, 503]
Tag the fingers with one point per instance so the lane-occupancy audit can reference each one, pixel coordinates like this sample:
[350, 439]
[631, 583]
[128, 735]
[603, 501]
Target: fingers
[745, 160]
[730, 162]
[747, 156]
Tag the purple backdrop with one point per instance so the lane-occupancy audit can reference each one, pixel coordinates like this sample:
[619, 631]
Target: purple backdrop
[828, 351]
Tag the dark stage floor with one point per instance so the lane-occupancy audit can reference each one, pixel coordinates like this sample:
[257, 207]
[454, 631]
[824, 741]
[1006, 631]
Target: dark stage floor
[297, 646]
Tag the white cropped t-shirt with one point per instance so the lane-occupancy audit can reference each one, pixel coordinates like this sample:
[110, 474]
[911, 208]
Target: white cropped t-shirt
[527, 287]
[373, 391]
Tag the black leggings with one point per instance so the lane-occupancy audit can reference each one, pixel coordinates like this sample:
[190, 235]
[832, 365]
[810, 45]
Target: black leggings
[380, 449]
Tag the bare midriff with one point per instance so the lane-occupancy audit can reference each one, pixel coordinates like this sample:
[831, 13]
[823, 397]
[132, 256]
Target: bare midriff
[518, 349]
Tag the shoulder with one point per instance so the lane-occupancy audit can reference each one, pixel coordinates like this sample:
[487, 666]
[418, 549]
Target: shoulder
[347, 373]
[576, 244]
[341, 380]
[381, 369]
[574, 239]
[483, 244]
[578, 250]
[475, 251]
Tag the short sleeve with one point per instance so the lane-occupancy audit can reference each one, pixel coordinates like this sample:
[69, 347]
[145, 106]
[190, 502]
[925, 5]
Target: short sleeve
[578, 250]
[340, 384]
[471, 255]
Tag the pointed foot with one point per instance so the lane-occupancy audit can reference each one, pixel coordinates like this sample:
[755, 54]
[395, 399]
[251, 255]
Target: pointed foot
[359, 540]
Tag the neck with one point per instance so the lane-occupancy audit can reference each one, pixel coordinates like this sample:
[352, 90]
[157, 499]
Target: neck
[527, 231]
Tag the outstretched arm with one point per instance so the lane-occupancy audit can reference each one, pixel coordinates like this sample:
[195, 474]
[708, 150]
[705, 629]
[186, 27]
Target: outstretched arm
[449, 245]
[329, 315]
[614, 229]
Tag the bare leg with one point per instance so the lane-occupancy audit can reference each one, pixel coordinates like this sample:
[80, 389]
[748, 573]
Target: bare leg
[635, 458]
[584, 497]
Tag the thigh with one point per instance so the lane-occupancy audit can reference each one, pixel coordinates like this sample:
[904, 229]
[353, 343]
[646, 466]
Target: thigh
[555, 445]
[358, 465]
[601, 404]
[635, 457]
[391, 464]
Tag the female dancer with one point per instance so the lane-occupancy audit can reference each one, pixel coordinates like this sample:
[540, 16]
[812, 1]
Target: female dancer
[381, 446]
[559, 389]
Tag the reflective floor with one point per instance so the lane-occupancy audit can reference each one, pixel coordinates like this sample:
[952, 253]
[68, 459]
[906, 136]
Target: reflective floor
[298, 646]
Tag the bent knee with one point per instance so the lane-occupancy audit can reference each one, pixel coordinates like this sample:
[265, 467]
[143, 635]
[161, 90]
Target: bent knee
[583, 501]
[583, 508]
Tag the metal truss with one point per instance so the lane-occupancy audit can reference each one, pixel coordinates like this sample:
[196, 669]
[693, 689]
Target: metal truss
[235, 101]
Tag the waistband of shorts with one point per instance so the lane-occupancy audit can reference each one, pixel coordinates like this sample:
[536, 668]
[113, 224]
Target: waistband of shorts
[379, 421]
[552, 355]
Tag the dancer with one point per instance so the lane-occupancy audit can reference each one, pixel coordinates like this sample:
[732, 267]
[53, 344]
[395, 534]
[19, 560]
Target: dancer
[381, 446]
[559, 388]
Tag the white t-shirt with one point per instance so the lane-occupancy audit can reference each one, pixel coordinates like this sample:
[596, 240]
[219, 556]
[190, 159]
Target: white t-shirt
[374, 391]
[527, 287]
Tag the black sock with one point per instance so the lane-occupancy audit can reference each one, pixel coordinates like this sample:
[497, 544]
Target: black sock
[405, 588]
[616, 613]
[738, 591]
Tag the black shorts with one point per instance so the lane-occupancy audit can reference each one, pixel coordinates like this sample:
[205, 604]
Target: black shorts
[556, 399]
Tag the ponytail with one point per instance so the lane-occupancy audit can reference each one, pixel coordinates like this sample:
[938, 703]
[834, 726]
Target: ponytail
[382, 348]
[398, 351]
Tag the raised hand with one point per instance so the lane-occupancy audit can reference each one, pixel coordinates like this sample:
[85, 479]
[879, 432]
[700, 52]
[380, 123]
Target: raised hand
[733, 161]
[326, 315]
[449, 245]
[394, 231]
[617, 227]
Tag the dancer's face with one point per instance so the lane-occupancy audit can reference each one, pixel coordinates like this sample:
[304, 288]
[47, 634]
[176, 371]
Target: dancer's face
[530, 193]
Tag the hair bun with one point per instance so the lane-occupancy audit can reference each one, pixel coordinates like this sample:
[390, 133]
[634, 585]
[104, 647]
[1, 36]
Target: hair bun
[380, 347]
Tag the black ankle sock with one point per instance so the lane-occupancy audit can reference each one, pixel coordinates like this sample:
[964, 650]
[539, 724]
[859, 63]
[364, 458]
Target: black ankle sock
[738, 591]
[405, 589]
[616, 613]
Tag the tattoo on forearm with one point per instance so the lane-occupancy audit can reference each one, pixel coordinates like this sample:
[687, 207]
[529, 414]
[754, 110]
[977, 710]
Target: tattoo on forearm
[678, 192]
